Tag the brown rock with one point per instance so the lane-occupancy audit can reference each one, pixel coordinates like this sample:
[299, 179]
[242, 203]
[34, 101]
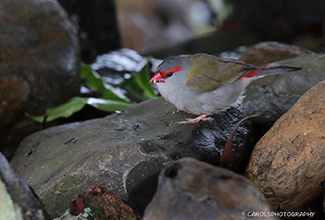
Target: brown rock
[14, 95]
[39, 62]
[271, 51]
[190, 189]
[288, 164]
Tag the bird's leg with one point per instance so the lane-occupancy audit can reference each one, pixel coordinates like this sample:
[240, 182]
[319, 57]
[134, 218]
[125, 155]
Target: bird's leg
[202, 117]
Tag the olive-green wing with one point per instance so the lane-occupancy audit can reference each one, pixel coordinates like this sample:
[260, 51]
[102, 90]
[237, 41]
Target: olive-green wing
[207, 72]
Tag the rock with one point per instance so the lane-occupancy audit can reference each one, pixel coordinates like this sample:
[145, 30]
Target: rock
[39, 56]
[288, 164]
[271, 51]
[18, 200]
[123, 152]
[274, 95]
[190, 189]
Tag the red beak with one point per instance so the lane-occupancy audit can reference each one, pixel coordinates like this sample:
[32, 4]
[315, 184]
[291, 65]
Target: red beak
[157, 78]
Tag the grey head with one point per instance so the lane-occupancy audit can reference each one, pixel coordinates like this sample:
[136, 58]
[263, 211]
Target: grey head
[174, 64]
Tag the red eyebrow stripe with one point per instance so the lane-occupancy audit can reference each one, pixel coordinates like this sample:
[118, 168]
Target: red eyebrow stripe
[173, 70]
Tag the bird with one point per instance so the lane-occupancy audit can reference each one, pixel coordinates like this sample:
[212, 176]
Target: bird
[204, 84]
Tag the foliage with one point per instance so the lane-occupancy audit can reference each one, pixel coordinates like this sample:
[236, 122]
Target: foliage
[95, 82]
[139, 84]
[110, 99]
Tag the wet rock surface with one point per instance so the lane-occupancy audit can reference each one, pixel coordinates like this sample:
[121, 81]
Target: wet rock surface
[190, 189]
[288, 164]
[39, 56]
[274, 95]
[123, 152]
[18, 200]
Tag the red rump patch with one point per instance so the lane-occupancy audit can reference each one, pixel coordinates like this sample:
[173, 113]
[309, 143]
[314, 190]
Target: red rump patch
[252, 73]
[249, 75]
[172, 70]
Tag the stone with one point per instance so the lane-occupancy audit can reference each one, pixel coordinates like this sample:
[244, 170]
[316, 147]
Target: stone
[272, 96]
[18, 200]
[124, 152]
[288, 163]
[190, 189]
[39, 56]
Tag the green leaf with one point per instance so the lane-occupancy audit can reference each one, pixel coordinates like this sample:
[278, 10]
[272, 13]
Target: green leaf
[65, 110]
[110, 100]
[76, 104]
[139, 84]
[96, 83]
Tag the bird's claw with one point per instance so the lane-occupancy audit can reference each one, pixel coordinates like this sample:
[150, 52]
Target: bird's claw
[196, 120]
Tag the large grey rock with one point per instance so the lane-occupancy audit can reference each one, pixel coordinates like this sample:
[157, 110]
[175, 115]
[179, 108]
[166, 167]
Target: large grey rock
[39, 55]
[274, 95]
[190, 189]
[123, 152]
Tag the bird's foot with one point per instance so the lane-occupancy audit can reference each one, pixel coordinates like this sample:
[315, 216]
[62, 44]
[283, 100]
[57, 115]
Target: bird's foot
[196, 120]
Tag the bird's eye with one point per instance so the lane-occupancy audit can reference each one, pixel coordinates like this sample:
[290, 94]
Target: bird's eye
[169, 74]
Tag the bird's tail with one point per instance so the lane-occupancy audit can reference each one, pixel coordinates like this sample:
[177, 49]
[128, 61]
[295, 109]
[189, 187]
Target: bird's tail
[269, 71]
